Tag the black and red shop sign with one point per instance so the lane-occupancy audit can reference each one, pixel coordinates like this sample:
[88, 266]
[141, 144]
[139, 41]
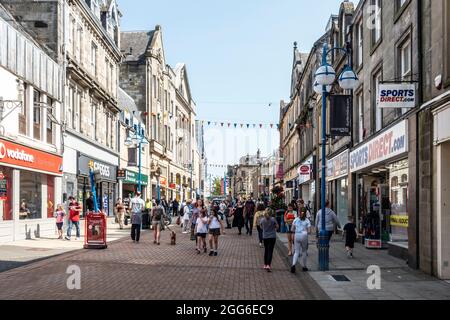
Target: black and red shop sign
[24, 157]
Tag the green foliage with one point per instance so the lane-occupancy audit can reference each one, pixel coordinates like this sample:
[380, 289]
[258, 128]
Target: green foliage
[217, 187]
[277, 199]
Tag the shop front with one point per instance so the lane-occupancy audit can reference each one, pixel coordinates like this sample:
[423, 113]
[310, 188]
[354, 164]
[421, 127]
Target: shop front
[381, 170]
[106, 184]
[30, 181]
[306, 184]
[337, 178]
[130, 183]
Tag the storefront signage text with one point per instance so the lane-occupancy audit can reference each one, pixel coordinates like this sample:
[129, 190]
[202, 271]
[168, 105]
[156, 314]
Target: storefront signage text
[132, 177]
[398, 95]
[107, 172]
[400, 221]
[22, 156]
[388, 145]
[338, 166]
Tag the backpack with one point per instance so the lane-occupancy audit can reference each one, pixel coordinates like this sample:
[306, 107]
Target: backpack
[157, 214]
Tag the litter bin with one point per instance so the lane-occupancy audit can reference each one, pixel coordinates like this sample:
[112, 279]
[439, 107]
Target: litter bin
[146, 221]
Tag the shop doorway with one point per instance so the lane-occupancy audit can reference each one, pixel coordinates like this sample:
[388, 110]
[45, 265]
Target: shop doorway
[443, 210]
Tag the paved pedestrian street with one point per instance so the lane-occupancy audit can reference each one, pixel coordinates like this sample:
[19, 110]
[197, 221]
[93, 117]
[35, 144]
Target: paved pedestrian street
[129, 271]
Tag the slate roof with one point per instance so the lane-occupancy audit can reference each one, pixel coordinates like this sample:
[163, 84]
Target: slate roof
[126, 102]
[134, 44]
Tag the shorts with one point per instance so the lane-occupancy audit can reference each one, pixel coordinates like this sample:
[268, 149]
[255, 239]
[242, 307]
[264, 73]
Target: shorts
[214, 232]
[59, 225]
[289, 229]
[156, 223]
[201, 235]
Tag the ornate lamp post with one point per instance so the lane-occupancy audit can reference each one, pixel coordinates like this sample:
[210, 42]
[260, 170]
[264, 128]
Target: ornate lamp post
[325, 76]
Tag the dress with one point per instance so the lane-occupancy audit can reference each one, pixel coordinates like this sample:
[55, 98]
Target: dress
[238, 220]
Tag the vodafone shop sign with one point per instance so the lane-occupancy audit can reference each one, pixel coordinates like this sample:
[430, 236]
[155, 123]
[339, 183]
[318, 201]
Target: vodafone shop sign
[21, 156]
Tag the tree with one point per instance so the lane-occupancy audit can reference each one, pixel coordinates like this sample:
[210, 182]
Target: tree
[217, 187]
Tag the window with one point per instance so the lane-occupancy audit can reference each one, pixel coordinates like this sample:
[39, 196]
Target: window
[359, 43]
[6, 185]
[37, 115]
[30, 195]
[132, 157]
[360, 106]
[93, 120]
[405, 60]
[376, 26]
[23, 112]
[94, 58]
[50, 111]
[377, 113]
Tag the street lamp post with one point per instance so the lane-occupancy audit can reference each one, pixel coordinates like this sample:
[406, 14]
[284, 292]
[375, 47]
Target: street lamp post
[325, 76]
[138, 140]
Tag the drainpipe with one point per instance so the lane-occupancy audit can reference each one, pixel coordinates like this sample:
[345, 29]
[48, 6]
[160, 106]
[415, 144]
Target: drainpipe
[420, 94]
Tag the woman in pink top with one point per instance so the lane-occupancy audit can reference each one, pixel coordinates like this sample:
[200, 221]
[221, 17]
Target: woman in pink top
[60, 214]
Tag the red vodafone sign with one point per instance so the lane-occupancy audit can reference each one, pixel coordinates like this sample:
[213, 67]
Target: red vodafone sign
[304, 170]
[20, 156]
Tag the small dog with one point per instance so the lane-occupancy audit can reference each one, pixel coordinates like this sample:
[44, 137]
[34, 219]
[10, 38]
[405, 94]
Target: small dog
[173, 238]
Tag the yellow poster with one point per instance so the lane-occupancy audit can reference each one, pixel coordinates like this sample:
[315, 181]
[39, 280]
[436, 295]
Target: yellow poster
[400, 221]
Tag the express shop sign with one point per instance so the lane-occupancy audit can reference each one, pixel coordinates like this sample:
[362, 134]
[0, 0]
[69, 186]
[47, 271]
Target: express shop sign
[20, 156]
[388, 145]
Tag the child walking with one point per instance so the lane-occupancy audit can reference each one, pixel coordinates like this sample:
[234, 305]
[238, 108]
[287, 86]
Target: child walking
[202, 230]
[59, 215]
[350, 234]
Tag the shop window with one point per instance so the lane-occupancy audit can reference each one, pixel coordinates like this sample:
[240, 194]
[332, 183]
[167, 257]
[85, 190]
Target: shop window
[30, 195]
[50, 196]
[6, 194]
[51, 115]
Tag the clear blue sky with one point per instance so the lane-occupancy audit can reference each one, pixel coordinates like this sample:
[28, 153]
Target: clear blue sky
[239, 57]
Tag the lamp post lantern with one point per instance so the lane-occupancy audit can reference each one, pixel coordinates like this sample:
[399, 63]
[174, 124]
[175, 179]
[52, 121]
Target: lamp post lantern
[325, 76]
[137, 139]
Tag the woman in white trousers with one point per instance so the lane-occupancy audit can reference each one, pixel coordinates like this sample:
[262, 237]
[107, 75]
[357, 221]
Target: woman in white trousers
[301, 228]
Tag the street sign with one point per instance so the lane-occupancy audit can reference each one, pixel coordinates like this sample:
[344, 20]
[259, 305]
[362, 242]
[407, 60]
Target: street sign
[121, 174]
[304, 170]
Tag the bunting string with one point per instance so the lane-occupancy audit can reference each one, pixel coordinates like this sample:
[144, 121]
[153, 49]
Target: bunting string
[236, 125]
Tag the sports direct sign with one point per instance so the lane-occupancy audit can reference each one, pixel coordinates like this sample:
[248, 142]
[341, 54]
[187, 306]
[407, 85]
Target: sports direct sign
[397, 95]
[389, 144]
[16, 155]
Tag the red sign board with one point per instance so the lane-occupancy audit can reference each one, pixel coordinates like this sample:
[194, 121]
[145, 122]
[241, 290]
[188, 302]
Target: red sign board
[18, 155]
[304, 170]
[172, 186]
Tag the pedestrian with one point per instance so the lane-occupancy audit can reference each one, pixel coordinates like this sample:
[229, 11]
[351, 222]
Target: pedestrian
[158, 212]
[215, 230]
[351, 235]
[249, 213]
[260, 210]
[228, 213]
[301, 228]
[175, 207]
[202, 231]
[269, 226]
[59, 215]
[186, 216]
[195, 214]
[331, 221]
[74, 218]
[90, 203]
[238, 220]
[137, 207]
[289, 218]
[120, 211]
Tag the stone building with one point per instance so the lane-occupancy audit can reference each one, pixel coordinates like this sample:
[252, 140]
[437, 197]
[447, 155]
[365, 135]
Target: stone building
[30, 133]
[84, 37]
[164, 95]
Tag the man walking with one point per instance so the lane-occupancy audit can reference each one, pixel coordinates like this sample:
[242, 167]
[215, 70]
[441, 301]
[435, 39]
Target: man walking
[331, 221]
[175, 207]
[137, 207]
[249, 213]
[74, 218]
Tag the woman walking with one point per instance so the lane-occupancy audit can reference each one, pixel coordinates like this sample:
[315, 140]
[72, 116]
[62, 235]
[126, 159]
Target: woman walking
[60, 214]
[158, 213]
[215, 230]
[186, 216]
[269, 227]
[289, 218]
[301, 228]
[238, 220]
[120, 209]
[260, 210]
[202, 230]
